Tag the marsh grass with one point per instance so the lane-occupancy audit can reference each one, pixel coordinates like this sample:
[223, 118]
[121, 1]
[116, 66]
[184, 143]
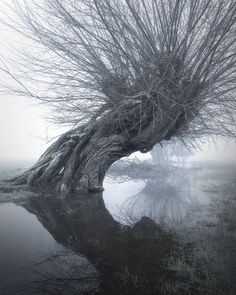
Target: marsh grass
[8, 192]
[206, 262]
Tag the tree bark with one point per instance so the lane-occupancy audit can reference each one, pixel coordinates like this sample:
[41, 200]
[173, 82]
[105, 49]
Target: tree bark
[77, 161]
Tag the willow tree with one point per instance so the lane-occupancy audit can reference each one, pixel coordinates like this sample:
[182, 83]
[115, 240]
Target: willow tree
[126, 75]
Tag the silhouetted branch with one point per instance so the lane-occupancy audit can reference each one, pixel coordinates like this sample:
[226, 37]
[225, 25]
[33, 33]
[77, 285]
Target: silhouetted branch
[149, 63]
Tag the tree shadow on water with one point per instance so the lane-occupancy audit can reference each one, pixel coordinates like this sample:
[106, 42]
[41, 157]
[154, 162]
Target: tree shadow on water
[125, 259]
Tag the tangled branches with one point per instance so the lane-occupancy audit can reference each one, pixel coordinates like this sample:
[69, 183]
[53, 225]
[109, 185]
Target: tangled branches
[159, 67]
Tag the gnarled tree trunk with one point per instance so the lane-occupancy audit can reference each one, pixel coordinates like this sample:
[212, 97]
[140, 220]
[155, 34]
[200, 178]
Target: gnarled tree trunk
[79, 159]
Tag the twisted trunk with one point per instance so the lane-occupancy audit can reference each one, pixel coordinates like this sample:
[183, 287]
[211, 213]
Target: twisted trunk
[79, 159]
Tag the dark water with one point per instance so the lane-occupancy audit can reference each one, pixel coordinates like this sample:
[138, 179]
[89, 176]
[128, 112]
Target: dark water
[84, 245]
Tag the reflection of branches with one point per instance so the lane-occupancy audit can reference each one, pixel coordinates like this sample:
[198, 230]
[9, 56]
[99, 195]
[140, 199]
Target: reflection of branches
[62, 273]
[118, 253]
[117, 178]
[161, 199]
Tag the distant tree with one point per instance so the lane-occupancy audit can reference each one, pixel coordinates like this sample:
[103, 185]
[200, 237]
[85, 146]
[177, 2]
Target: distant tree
[126, 75]
[167, 154]
[161, 155]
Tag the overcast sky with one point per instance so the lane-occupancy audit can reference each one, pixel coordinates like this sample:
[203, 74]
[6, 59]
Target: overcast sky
[24, 132]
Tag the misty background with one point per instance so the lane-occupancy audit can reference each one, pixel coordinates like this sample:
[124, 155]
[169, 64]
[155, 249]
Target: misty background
[24, 131]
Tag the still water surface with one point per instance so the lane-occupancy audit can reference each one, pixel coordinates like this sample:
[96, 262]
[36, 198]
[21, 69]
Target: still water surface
[30, 235]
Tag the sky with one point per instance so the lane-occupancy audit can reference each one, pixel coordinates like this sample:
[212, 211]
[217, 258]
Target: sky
[25, 133]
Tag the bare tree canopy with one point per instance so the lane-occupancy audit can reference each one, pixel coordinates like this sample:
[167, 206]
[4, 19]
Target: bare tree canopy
[149, 70]
[172, 60]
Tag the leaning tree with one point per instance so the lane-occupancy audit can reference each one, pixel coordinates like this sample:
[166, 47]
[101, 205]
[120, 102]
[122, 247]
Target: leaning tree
[125, 75]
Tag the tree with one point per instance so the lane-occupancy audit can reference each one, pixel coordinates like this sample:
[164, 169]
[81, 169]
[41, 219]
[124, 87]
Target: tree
[126, 74]
[170, 153]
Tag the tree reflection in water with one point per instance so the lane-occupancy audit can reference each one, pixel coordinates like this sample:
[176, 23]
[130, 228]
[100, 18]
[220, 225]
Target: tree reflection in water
[165, 197]
[159, 200]
[129, 260]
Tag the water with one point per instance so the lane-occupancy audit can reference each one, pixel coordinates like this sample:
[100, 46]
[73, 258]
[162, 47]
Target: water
[166, 198]
[77, 240]
[29, 253]
[23, 237]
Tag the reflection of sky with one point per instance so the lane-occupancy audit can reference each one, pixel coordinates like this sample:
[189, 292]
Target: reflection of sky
[21, 231]
[154, 199]
[169, 198]
[23, 240]
[115, 194]
[29, 253]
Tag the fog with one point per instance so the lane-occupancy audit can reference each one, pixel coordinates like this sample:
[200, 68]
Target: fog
[24, 131]
[25, 134]
[164, 224]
